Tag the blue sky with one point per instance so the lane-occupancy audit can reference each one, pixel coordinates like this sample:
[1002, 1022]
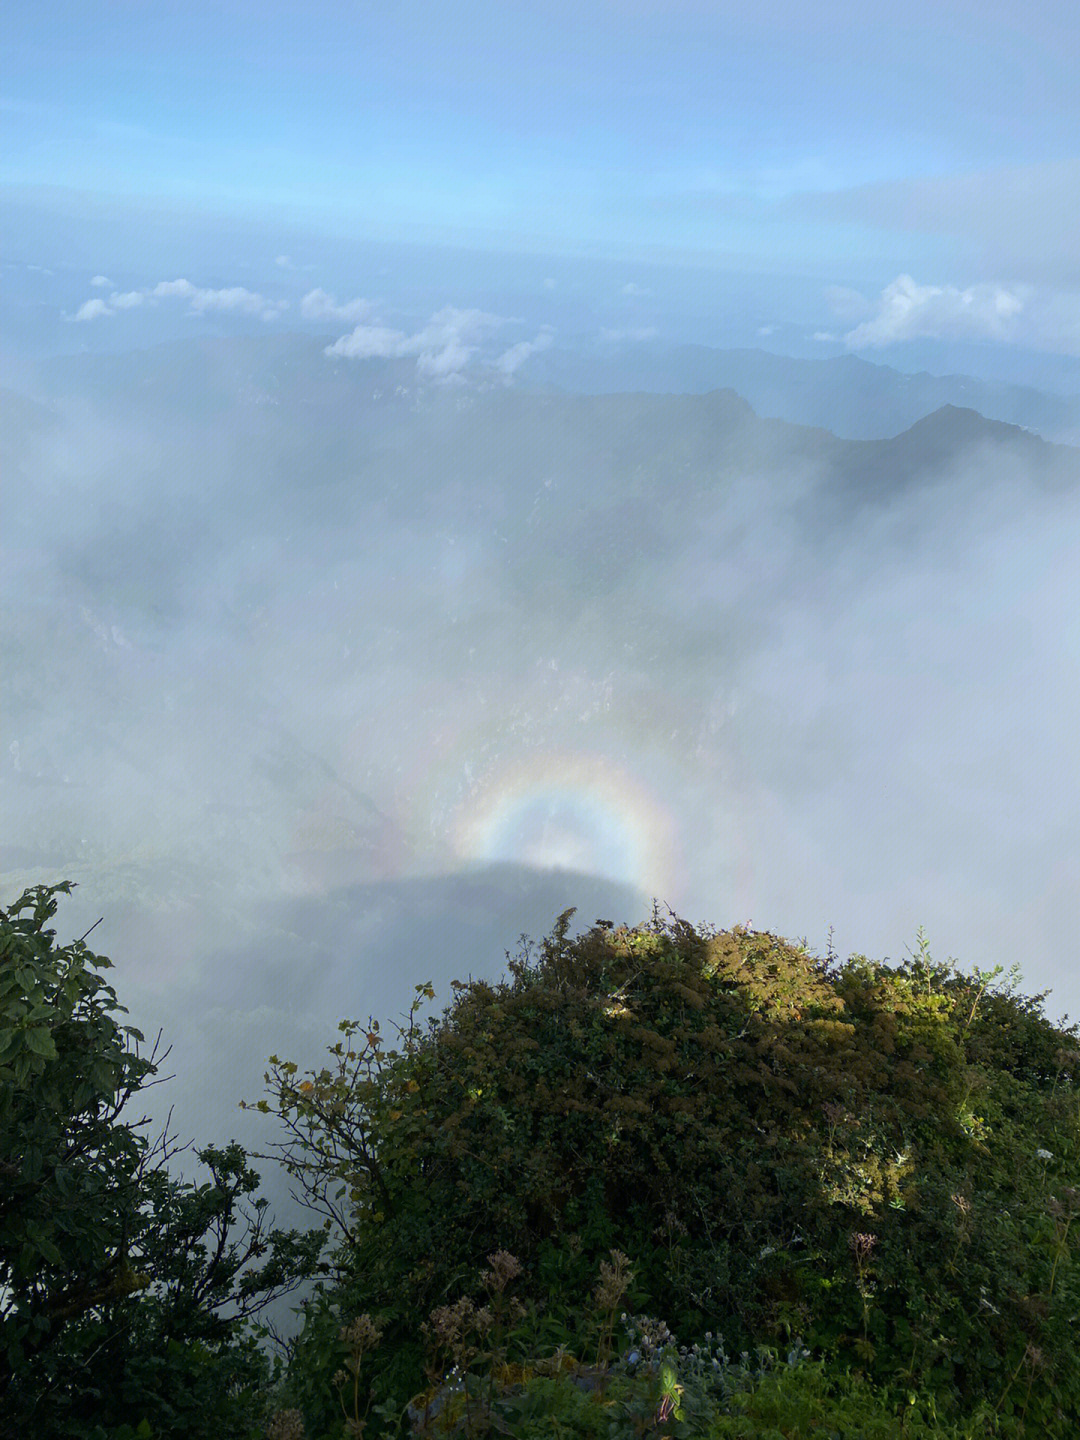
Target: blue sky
[893, 175]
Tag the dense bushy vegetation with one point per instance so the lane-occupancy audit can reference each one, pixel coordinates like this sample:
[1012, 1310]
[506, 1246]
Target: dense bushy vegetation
[861, 1180]
[124, 1291]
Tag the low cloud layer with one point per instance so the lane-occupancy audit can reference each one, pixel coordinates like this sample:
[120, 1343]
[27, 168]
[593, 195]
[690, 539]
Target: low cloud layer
[450, 341]
[318, 305]
[234, 299]
[92, 310]
[444, 346]
[910, 311]
[1014, 313]
[511, 359]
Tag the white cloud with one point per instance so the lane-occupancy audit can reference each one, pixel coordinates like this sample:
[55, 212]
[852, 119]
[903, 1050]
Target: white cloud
[318, 305]
[511, 359]
[451, 337]
[284, 262]
[96, 308]
[102, 282]
[443, 347]
[826, 336]
[369, 342]
[766, 330]
[1043, 318]
[91, 310]
[234, 299]
[909, 311]
[183, 288]
[550, 284]
[632, 289]
[447, 362]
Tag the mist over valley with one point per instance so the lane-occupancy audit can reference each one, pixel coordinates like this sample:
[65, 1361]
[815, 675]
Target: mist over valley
[325, 679]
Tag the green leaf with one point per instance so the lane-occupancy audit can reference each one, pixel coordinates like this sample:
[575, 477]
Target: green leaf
[41, 1042]
[49, 1250]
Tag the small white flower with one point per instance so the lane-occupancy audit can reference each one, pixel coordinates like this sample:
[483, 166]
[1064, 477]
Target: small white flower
[1044, 1155]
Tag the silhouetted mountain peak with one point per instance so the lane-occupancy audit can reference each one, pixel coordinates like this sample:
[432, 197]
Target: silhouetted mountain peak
[953, 425]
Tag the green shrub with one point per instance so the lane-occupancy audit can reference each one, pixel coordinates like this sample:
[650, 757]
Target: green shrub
[125, 1292]
[882, 1160]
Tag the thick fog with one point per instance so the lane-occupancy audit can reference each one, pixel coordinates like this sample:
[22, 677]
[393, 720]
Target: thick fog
[324, 680]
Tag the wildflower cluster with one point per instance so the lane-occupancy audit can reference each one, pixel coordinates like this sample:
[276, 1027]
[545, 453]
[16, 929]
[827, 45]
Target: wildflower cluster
[650, 1340]
[706, 1365]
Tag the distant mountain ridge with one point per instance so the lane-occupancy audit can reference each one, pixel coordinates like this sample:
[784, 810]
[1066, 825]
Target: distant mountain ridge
[851, 397]
[276, 418]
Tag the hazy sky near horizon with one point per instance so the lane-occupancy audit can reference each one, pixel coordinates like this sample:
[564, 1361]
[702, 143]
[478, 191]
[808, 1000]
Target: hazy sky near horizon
[866, 179]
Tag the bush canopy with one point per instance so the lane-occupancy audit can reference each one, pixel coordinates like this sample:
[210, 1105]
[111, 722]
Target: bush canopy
[881, 1160]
